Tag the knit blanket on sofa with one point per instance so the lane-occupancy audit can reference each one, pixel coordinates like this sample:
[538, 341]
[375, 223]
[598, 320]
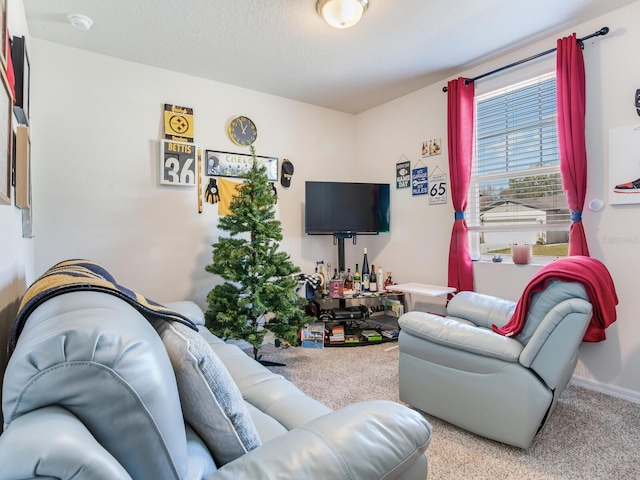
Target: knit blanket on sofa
[84, 275]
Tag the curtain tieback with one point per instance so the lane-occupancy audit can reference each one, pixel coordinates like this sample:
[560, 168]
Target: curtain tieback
[459, 215]
[576, 216]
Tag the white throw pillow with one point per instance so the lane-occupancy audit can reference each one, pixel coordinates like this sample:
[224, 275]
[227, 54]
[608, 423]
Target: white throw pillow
[211, 402]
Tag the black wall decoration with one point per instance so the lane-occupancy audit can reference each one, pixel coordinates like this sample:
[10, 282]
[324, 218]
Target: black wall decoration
[21, 70]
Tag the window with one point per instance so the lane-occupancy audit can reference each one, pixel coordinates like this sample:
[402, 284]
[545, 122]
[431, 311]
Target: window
[516, 194]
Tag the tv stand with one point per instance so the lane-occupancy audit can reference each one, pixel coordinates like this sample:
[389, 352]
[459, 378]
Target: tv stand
[357, 315]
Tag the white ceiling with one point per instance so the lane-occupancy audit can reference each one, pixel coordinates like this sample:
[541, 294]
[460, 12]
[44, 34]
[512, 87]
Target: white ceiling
[282, 47]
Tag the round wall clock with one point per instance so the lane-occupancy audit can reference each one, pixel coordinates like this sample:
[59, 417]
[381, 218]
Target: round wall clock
[242, 131]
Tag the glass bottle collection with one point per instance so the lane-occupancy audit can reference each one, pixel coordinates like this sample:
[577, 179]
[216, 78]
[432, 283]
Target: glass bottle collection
[360, 281]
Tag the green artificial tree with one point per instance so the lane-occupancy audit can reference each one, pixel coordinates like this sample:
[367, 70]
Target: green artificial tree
[260, 281]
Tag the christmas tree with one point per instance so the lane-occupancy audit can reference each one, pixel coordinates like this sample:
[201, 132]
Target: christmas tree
[259, 292]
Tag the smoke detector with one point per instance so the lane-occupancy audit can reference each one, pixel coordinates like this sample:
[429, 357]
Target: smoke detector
[81, 22]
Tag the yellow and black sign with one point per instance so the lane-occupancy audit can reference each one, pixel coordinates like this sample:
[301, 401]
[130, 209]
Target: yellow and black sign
[178, 123]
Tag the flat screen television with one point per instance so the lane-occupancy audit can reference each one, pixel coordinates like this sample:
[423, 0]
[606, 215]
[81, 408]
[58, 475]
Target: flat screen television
[346, 208]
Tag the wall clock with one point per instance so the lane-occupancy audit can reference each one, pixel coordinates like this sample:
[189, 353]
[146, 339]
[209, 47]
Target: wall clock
[242, 131]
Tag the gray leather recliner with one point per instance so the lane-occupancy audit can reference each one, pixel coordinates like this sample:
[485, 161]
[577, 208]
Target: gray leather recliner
[503, 388]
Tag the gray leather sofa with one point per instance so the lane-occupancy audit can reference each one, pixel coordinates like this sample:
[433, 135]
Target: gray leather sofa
[90, 392]
[503, 388]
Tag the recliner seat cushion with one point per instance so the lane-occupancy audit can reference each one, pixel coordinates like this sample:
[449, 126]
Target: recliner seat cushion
[211, 402]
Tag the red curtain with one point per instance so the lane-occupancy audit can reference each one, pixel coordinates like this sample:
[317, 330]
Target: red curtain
[460, 119]
[571, 101]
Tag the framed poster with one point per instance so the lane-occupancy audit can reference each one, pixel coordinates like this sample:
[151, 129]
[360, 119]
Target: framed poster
[6, 136]
[438, 189]
[228, 164]
[23, 168]
[432, 147]
[403, 174]
[3, 32]
[177, 163]
[624, 165]
[178, 123]
[419, 181]
[22, 72]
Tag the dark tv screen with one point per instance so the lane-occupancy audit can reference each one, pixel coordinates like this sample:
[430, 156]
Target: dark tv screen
[345, 207]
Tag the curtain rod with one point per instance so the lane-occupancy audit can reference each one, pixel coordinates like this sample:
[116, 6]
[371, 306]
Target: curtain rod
[602, 31]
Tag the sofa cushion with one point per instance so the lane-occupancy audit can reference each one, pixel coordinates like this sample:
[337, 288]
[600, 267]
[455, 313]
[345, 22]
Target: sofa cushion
[449, 332]
[211, 402]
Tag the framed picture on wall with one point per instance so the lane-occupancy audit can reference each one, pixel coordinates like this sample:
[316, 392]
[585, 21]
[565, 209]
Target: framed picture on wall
[22, 73]
[3, 32]
[229, 164]
[6, 135]
[23, 168]
[624, 165]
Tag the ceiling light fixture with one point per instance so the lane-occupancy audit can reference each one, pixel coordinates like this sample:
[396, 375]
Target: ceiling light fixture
[81, 22]
[341, 13]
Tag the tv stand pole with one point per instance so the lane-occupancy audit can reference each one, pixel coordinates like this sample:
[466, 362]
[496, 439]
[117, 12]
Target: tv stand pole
[339, 239]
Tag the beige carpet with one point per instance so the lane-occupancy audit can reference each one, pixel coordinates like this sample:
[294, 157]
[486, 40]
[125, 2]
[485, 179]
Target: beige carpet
[589, 436]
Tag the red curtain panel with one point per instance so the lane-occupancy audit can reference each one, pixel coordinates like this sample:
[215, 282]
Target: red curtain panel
[460, 118]
[571, 101]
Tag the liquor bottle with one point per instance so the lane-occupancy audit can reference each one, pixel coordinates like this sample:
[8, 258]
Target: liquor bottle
[357, 284]
[321, 275]
[380, 280]
[335, 274]
[348, 281]
[373, 281]
[365, 272]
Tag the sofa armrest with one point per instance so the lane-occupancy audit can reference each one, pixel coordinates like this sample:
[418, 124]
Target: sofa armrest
[53, 443]
[99, 358]
[367, 440]
[483, 310]
[461, 336]
[189, 309]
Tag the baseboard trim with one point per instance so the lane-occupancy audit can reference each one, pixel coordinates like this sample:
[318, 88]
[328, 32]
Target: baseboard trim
[618, 392]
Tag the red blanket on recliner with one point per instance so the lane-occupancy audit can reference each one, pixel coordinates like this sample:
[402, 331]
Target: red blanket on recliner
[595, 278]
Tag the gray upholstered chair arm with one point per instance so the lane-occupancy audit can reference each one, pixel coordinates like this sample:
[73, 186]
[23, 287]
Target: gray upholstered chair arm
[367, 440]
[482, 310]
[449, 332]
[52, 443]
[557, 338]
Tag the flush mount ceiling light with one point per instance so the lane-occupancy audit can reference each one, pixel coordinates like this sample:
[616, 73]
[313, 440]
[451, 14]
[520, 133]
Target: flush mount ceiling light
[81, 22]
[341, 13]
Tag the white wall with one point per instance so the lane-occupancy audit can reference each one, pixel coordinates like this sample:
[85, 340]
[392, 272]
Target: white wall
[96, 125]
[96, 130]
[418, 248]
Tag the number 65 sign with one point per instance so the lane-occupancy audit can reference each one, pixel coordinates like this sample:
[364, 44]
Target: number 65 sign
[177, 163]
[437, 189]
